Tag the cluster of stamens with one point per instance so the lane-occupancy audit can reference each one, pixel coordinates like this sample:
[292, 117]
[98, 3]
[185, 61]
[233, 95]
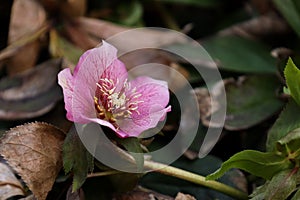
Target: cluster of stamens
[112, 103]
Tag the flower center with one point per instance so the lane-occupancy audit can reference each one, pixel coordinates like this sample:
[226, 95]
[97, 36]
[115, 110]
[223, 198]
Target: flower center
[118, 100]
[112, 103]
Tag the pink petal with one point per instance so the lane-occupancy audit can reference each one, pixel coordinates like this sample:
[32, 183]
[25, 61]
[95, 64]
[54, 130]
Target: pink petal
[92, 66]
[65, 80]
[155, 97]
[134, 128]
[120, 133]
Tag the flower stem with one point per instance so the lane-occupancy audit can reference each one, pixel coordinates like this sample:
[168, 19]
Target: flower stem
[195, 178]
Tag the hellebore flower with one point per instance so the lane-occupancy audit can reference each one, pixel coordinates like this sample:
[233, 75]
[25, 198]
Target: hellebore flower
[98, 91]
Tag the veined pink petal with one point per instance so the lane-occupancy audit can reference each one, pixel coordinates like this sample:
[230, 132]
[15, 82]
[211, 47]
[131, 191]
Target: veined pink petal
[134, 127]
[154, 95]
[65, 80]
[152, 109]
[98, 92]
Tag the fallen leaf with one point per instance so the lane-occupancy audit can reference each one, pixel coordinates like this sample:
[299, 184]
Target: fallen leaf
[34, 151]
[181, 196]
[250, 100]
[141, 193]
[129, 40]
[77, 195]
[30, 93]
[9, 184]
[14, 48]
[30, 197]
[27, 16]
[259, 27]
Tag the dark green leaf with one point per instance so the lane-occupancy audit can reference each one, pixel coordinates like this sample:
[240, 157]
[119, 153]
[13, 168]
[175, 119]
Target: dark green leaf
[240, 55]
[76, 159]
[286, 122]
[260, 164]
[251, 100]
[133, 146]
[281, 185]
[292, 76]
[288, 9]
[259, 192]
[290, 144]
[296, 195]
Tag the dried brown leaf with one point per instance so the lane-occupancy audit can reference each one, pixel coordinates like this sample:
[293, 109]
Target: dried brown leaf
[262, 26]
[34, 151]
[73, 8]
[142, 38]
[181, 196]
[205, 104]
[27, 16]
[33, 82]
[77, 195]
[139, 194]
[9, 184]
[31, 93]
[30, 197]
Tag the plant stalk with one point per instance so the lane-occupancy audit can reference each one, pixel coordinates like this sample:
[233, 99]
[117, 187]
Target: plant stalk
[195, 178]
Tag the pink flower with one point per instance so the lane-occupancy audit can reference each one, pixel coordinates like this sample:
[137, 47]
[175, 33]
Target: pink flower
[98, 91]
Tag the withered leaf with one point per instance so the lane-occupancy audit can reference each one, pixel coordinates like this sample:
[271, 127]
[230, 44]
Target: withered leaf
[27, 16]
[181, 196]
[77, 195]
[250, 100]
[34, 151]
[139, 38]
[144, 194]
[9, 184]
[30, 93]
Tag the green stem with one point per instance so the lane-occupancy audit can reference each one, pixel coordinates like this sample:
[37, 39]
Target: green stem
[195, 178]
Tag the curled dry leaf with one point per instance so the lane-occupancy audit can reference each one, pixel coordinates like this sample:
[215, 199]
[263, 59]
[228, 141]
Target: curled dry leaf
[140, 38]
[27, 16]
[259, 27]
[205, 104]
[30, 93]
[77, 195]
[34, 151]
[9, 184]
[250, 100]
[30, 197]
[138, 194]
[181, 196]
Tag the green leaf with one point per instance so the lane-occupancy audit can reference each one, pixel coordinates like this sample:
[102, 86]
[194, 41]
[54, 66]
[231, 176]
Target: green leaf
[290, 144]
[76, 159]
[171, 186]
[134, 148]
[292, 76]
[284, 124]
[251, 100]
[281, 185]
[260, 164]
[201, 3]
[259, 192]
[240, 55]
[296, 195]
[289, 10]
